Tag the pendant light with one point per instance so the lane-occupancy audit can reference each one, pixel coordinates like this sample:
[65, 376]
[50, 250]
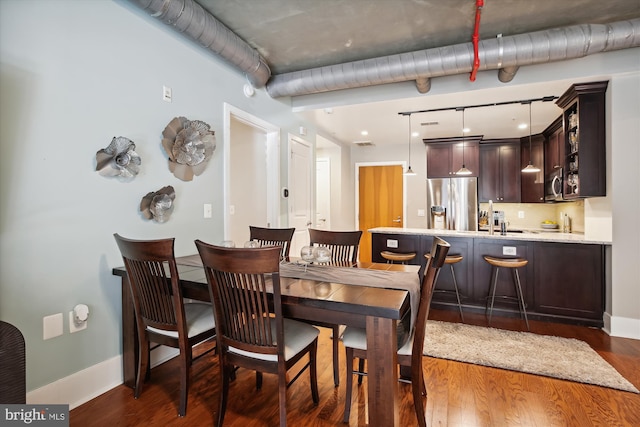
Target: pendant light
[409, 171]
[530, 168]
[463, 170]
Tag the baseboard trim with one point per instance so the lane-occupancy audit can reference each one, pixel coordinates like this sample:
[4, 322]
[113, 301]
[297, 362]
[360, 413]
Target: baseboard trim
[623, 327]
[82, 386]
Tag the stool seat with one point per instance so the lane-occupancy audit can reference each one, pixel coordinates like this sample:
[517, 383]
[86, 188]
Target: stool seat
[451, 259]
[506, 262]
[513, 264]
[397, 256]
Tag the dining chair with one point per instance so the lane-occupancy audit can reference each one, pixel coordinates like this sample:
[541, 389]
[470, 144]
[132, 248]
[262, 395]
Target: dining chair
[273, 237]
[252, 332]
[344, 251]
[410, 354]
[161, 315]
[13, 377]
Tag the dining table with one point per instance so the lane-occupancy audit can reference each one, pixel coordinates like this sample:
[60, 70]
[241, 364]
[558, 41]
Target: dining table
[373, 296]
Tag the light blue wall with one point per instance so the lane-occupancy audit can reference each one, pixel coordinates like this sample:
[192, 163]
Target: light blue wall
[73, 75]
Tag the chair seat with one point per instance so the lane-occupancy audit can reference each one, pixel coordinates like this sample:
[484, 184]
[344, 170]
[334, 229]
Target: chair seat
[298, 335]
[396, 256]
[357, 338]
[199, 317]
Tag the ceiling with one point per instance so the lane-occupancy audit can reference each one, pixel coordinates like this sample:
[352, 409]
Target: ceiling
[295, 35]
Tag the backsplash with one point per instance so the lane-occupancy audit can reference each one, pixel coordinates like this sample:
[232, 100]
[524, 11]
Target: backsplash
[535, 213]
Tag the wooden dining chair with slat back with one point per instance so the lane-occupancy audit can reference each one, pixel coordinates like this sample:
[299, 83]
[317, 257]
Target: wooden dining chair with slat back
[161, 315]
[252, 332]
[273, 237]
[410, 354]
[344, 251]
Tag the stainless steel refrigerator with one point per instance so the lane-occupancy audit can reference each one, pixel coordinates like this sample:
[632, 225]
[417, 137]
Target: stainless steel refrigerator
[452, 203]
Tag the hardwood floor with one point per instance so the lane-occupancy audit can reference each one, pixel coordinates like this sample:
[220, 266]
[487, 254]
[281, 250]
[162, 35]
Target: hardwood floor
[460, 394]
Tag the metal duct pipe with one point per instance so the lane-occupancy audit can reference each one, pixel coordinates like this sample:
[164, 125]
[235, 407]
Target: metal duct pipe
[502, 52]
[423, 85]
[506, 74]
[190, 18]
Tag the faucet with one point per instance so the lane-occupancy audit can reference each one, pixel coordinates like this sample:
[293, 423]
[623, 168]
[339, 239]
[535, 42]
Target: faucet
[490, 222]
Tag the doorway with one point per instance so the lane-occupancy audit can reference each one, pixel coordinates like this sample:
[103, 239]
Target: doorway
[300, 191]
[251, 160]
[380, 195]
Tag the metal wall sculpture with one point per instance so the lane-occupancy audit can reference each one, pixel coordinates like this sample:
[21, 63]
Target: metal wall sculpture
[189, 144]
[158, 205]
[118, 159]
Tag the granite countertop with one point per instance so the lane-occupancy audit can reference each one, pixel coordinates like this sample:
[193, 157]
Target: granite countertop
[529, 234]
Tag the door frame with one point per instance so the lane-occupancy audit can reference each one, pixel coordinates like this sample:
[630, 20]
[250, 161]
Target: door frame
[357, 189]
[272, 158]
[291, 139]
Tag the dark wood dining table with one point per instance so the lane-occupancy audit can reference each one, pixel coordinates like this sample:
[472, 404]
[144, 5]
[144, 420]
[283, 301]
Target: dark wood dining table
[378, 309]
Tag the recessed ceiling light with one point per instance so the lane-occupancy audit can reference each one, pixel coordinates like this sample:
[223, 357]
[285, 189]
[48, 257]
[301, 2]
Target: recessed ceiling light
[522, 126]
[364, 133]
[415, 134]
[466, 130]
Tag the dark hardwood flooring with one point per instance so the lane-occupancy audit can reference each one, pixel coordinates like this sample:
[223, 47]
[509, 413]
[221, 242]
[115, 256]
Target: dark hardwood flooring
[459, 394]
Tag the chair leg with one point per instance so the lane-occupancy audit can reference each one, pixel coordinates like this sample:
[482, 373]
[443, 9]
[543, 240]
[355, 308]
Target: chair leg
[184, 382]
[282, 393]
[313, 372]
[523, 308]
[336, 358]
[347, 400]
[143, 365]
[455, 285]
[419, 392]
[225, 373]
[493, 293]
[258, 380]
[361, 370]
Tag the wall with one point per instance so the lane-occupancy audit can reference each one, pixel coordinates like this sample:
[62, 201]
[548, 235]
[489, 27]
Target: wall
[73, 74]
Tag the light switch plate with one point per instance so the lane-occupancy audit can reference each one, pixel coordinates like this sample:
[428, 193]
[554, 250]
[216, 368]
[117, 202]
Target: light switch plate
[52, 326]
[207, 210]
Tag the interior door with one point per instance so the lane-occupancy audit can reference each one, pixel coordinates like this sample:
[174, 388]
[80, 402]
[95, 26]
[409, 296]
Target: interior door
[300, 192]
[380, 202]
[323, 193]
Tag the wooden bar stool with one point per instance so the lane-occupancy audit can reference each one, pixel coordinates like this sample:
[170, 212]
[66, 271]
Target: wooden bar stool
[402, 258]
[451, 259]
[512, 263]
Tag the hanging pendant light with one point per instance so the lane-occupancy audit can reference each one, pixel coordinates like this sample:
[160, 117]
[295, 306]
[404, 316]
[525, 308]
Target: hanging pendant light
[463, 170]
[530, 168]
[409, 171]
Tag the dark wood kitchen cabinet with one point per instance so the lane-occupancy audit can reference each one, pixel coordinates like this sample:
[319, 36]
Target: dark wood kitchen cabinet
[532, 184]
[569, 280]
[583, 119]
[553, 146]
[500, 171]
[445, 156]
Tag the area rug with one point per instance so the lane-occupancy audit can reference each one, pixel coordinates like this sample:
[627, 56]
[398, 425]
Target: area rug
[564, 358]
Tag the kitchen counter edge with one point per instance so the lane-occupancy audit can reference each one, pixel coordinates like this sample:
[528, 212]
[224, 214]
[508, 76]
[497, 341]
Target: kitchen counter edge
[526, 236]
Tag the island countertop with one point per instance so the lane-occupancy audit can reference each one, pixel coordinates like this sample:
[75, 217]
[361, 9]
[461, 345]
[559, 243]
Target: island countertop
[531, 235]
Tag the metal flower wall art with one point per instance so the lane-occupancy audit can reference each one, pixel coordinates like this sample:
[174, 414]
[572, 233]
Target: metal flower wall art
[158, 205]
[118, 159]
[189, 144]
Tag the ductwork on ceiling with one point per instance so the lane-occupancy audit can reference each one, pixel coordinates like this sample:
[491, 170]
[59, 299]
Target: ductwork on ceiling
[505, 54]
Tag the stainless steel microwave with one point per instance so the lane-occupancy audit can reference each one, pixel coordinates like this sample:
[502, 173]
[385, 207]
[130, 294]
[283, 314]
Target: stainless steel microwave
[553, 186]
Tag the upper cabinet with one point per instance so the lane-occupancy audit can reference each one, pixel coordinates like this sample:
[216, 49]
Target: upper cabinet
[532, 184]
[445, 156]
[500, 171]
[583, 119]
[553, 146]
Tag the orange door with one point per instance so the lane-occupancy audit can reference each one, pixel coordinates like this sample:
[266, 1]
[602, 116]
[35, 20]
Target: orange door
[380, 202]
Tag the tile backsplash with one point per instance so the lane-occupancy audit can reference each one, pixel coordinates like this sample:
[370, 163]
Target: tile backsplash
[535, 213]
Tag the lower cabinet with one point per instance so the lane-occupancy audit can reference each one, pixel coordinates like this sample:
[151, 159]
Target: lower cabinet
[562, 282]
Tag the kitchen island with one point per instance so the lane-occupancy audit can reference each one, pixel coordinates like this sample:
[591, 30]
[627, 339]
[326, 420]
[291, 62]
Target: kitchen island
[564, 280]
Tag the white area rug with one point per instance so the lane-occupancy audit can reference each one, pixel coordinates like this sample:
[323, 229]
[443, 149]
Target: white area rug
[556, 357]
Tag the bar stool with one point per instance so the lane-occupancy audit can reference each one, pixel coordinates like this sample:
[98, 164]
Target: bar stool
[402, 258]
[512, 263]
[451, 259]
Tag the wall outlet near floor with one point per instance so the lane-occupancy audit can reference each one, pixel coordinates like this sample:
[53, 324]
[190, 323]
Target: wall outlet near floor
[52, 326]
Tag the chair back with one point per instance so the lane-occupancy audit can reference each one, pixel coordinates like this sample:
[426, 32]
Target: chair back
[273, 237]
[13, 378]
[343, 244]
[154, 283]
[439, 251]
[239, 283]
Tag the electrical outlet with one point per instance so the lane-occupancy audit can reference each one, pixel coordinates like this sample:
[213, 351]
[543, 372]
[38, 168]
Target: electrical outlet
[521, 214]
[392, 243]
[420, 212]
[509, 250]
[52, 326]
[73, 327]
[166, 93]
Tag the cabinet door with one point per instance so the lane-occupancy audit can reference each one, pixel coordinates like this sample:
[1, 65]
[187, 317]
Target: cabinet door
[553, 159]
[439, 160]
[569, 280]
[489, 179]
[510, 173]
[470, 157]
[532, 184]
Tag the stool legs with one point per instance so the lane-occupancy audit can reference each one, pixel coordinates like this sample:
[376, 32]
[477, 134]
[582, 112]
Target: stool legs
[520, 296]
[455, 285]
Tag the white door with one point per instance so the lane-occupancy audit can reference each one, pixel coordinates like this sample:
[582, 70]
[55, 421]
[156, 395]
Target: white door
[323, 193]
[300, 192]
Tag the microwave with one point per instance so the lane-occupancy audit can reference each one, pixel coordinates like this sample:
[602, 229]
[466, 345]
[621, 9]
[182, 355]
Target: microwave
[553, 186]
